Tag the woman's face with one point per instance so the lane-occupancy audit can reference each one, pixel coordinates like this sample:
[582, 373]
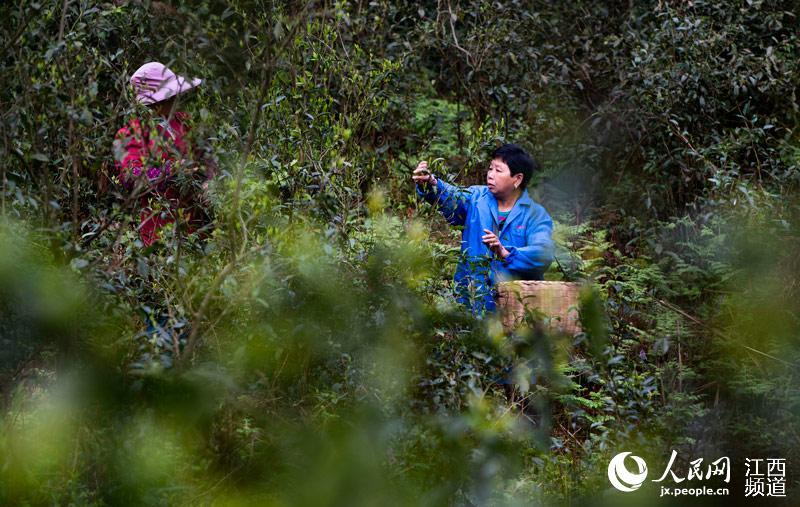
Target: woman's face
[165, 108]
[499, 179]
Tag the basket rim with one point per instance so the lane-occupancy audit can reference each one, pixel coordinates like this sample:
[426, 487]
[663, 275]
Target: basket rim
[537, 282]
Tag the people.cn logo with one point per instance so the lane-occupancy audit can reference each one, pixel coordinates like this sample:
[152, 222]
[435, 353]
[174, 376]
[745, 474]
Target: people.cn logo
[621, 478]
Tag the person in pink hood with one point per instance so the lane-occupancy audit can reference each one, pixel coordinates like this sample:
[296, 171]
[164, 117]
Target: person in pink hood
[153, 155]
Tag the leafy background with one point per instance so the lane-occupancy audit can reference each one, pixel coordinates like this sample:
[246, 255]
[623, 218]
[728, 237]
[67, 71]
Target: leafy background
[322, 360]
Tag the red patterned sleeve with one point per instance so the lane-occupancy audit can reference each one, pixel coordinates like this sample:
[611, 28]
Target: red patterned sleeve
[129, 153]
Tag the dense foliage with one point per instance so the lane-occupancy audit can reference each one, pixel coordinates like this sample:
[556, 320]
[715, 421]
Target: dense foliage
[313, 352]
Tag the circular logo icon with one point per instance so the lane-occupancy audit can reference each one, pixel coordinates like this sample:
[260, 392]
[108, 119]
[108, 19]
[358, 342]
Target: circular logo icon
[621, 478]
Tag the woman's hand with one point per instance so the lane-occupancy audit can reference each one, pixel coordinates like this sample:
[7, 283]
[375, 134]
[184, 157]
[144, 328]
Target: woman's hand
[422, 175]
[491, 240]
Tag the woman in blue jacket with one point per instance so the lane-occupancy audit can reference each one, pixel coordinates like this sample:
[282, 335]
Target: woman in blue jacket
[507, 236]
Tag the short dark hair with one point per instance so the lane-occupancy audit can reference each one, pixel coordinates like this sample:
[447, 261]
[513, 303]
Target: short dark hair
[518, 161]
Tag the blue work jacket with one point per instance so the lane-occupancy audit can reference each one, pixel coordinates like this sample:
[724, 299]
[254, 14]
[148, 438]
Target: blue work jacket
[526, 234]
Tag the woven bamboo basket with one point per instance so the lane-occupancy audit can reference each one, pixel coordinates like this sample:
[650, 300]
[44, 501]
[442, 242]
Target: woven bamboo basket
[557, 301]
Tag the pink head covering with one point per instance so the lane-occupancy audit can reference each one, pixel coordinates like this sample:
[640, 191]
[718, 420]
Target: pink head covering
[154, 82]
